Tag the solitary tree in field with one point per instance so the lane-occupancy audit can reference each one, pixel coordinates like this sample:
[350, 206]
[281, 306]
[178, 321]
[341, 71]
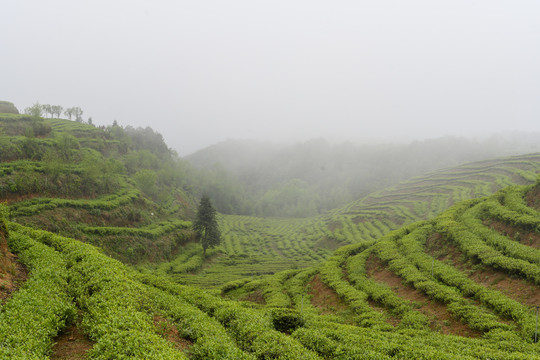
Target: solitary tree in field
[206, 225]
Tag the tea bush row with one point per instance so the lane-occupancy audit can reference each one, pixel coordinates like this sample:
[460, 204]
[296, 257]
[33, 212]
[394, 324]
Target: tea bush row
[39, 310]
[115, 312]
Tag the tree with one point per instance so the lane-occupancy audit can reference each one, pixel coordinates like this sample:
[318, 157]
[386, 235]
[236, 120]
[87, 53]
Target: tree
[69, 113]
[146, 179]
[34, 110]
[206, 225]
[77, 112]
[47, 109]
[57, 110]
[74, 111]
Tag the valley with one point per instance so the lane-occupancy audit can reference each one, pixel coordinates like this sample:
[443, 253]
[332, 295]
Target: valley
[98, 252]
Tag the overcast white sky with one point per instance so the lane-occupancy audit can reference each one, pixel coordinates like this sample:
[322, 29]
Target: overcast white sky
[203, 71]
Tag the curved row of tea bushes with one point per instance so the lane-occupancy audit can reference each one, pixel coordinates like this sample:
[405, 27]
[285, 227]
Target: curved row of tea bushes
[296, 288]
[451, 227]
[210, 338]
[383, 294]
[39, 310]
[273, 292]
[412, 247]
[477, 319]
[115, 312]
[252, 329]
[153, 231]
[339, 341]
[332, 274]
[513, 198]
[495, 210]
[472, 219]
[108, 202]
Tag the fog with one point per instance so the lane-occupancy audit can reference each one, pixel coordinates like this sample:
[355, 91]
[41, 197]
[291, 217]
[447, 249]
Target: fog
[200, 72]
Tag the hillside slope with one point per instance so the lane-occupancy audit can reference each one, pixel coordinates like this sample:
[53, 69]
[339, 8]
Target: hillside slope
[120, 189]
[472, 271]
[256, 246]
[406, 295]
[313, 177]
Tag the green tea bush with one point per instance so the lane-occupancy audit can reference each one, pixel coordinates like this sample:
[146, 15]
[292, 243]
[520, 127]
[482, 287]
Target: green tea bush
[38, 311]
[286, 320]
[114, 306]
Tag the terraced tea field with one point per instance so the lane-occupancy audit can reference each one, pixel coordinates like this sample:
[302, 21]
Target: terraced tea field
[258, 246]
[472, 271]
[464, 285]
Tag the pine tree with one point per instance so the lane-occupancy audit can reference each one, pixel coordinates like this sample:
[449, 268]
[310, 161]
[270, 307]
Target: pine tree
[206, 225]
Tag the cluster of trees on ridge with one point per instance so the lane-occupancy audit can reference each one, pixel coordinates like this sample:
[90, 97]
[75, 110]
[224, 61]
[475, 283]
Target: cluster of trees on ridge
[39, 110]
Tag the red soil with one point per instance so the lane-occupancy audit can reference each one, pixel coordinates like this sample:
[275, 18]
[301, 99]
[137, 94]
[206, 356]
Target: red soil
[169, 332]
[325, 298]
[71, 344]
[441, 319]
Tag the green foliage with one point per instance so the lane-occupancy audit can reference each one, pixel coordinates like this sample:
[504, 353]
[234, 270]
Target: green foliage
[35, 110]
[114, 299]
[114, 305]
[206, 226]
[146, 181]
[4, 217]
[36, 313]
[124, 189]
[153, 231]
[286, 320]
[211, 340]
[306, 179]
[291, 199]
[7, 107]
[251, 329]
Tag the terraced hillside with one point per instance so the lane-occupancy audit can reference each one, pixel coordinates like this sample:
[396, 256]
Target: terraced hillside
[365, 281]
[472, 271]
[258, 246]
[120, 189]
[461, 286]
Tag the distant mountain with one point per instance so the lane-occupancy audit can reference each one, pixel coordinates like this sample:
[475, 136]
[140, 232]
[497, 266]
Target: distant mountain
[308, 178]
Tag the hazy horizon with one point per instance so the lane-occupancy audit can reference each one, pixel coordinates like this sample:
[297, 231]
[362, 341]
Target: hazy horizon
[285, 71]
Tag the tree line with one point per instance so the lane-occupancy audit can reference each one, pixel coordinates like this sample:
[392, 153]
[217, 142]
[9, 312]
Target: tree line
[39, 110]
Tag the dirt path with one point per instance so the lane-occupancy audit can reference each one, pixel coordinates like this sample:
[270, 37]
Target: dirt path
[71, 344]
[13, 274]
[325, 298]
[169, 332]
